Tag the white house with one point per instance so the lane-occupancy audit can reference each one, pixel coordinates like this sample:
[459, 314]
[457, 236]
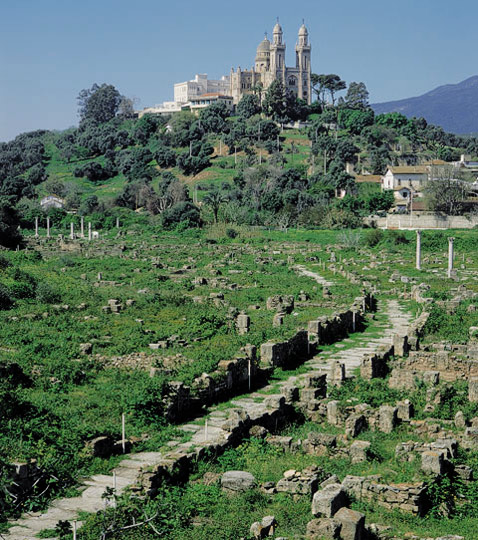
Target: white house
[52, 201]
[411, 177]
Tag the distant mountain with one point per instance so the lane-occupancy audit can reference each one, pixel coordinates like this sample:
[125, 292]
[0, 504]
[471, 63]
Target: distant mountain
[454, 107]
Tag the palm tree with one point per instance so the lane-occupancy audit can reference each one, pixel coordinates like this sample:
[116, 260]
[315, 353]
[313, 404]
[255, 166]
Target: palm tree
[214, 199]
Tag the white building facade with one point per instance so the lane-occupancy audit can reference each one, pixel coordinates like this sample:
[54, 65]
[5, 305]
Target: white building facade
[185, 91]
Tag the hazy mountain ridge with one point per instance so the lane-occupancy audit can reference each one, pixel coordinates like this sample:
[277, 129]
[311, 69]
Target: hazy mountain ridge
[452, 106]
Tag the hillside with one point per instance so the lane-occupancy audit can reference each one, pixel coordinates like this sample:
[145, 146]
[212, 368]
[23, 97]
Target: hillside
[454, 107]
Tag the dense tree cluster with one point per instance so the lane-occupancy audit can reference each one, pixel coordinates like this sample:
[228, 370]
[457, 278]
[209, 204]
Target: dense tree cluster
[110, 144]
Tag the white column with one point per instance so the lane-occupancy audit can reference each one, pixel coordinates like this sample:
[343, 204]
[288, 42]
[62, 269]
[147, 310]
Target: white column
[419, 250]
[117, 223]
[89, 231]
[72, 230]
[36, 227]
[82, 227]
[450, 255]
[48, 227]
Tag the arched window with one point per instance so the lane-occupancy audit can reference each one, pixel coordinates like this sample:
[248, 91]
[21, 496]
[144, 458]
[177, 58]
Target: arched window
[292, 81]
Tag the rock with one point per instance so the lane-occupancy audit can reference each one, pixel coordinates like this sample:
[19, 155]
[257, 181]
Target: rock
[290, 474]
[238, 481]
[464, 472]
[210, 478]
[258, 432]
[334, 479]
[256, 530]
[323, 529]
[280, 303]
[86, 348]
[352, 524]
[329, 500]
[264, 528]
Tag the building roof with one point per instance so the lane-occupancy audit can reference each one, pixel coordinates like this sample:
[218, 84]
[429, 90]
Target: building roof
[417, 169]
[436, 162]
[375, 178]
[210, 95]
[264, 46]
[303, 31]
[419, 206]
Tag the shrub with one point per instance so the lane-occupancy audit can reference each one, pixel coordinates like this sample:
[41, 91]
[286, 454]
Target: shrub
[45, 293]
[183, 212]
[374, 237]
[231, 233]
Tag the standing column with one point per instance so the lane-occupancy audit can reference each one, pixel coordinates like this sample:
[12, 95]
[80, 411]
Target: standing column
[419, 250]
[82, 227]
[89, 231]
[117, 222]
[450, 255]
[72, 231]
[36, 227]
[48, 227]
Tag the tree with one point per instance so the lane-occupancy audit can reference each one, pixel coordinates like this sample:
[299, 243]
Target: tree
[165, 157]
[99, 103]
[248, 106]
[446, 190]
[215, 199]
[357, 96]
[213, 118]
[274, 104]
[10, 236]
[145, 128]
[331, 83]
[355, 120]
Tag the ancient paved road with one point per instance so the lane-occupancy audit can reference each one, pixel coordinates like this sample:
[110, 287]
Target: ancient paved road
[254, 405]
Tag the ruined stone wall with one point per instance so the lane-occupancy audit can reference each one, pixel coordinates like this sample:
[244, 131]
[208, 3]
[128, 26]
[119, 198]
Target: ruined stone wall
[410, 497]
[234, 376]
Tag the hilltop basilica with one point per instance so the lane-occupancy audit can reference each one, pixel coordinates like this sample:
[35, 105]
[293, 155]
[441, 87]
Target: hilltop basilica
[270, 65]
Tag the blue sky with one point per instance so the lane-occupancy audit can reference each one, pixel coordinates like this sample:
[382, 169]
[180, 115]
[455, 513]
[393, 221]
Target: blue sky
[51, 49]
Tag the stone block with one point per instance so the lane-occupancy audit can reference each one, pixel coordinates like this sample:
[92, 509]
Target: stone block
[404, 410]
[355, 424]
[352, 524]
[460, 421]
[433, 462]
[400, 345]
[333, 417]
[329, 500]
[359, 451]
[431, 378]
[290, 393]
[337, 373]
[387, 418]
[473, 390]
[323, 529]
[238, 481]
